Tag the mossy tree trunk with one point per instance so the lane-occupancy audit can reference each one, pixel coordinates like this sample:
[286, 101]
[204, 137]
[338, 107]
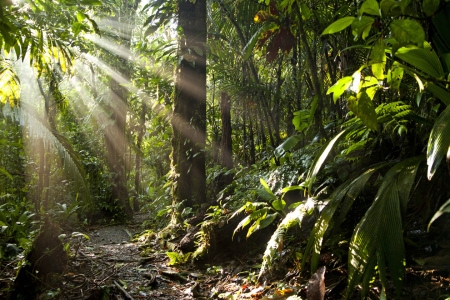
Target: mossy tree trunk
[189, 113]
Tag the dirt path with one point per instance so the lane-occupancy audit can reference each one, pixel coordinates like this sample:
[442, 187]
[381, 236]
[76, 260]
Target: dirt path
[109, 266]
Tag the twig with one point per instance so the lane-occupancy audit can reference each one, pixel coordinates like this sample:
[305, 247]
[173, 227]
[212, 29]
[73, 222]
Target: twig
[125, 293]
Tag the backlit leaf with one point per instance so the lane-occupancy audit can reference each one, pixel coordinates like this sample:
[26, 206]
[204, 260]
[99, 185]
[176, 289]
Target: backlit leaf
[363, 107]
[407, 31]
[339, 25]
[370, 7]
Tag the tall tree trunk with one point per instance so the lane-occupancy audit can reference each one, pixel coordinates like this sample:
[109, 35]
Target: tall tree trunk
[226, 144]
[189, 113]
[115, 145]
[137, 177]
[252, 141]
[118, 106]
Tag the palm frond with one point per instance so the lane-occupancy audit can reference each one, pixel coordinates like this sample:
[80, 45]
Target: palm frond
[9, 84]
[54, 141]
[379, 233]
[439, 142]
[350, 189]
[323, 154]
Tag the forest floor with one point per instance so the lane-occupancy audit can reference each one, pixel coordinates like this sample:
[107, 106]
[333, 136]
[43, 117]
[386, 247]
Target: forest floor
[110, 265]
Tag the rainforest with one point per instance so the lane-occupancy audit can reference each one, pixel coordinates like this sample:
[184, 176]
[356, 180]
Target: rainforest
[224, 149]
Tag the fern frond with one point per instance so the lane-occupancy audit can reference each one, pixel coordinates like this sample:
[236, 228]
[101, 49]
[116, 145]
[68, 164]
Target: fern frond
[379, 233]
[293, 218]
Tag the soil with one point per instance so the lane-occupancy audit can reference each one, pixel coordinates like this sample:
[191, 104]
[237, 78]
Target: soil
[110, 265]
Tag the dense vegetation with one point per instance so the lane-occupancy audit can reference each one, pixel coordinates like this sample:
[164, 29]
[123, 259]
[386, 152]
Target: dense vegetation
[267, 111]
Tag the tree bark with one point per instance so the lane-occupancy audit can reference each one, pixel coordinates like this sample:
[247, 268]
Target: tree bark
[138, 145]
[226, 144]
[115, 145]
[189, 113]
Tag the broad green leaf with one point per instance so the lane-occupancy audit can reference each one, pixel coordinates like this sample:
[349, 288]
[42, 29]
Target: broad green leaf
[266, 187]
[363, 107]
[306, 13]
[292, 188]
[338, 25]
[80, 17]
[340, 87]
[439, 142]
[370, 7]
[76, 28]
[425, 59]
[429, 7]
[267, 220]
[287, 145]
[242, 224]
[378, 59]
[388, 7]
[361, 27]
[407, 31]
[279, 204]
[404, 5]
[395, 76]
[265, 195]
[300, 120]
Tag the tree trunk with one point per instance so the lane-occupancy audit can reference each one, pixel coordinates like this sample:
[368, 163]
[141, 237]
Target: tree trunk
[115, 145]
[189, 113]
[226, 144]
[138, 145]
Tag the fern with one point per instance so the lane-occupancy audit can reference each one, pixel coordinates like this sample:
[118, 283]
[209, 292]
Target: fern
[276, 241]
[379, 234]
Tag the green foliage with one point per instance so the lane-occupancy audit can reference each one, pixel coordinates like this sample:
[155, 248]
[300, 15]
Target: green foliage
[443, 209]
[343, 197]
[275, 245]
[177, 258]
[439, 142]
[378, 238]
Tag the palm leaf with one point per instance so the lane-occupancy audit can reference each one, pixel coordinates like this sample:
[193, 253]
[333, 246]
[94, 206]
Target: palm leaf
[444, 208]
[350, 190]
[439, 142]
[38, 127]
[9, 83]
[379, 233]
[323, 154]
